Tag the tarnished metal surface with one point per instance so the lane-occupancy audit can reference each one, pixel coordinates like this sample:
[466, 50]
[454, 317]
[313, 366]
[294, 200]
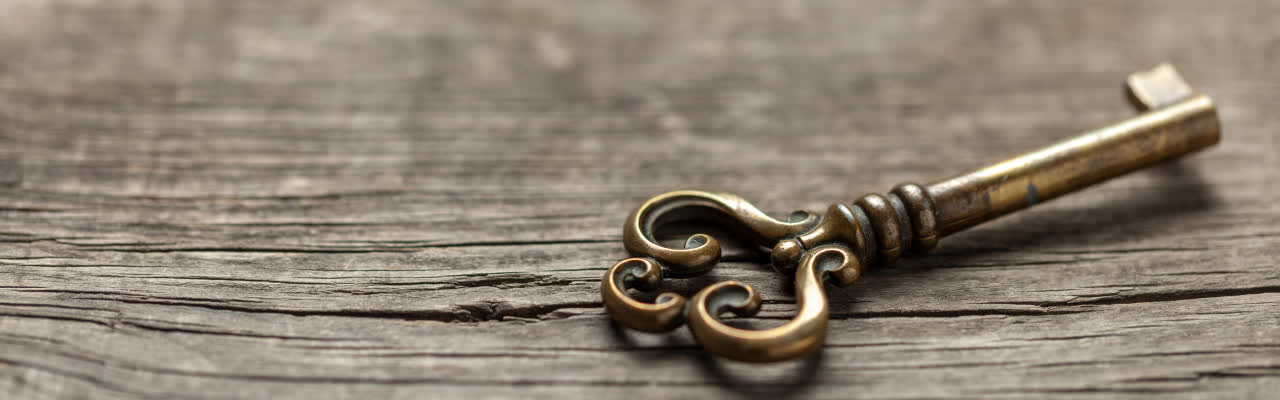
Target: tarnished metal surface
[1075, 163]
[877, 229]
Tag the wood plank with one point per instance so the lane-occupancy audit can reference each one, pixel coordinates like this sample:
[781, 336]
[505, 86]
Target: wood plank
[406, 199]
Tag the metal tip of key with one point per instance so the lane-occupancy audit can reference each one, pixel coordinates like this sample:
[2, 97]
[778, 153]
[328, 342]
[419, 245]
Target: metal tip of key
[1157, 87]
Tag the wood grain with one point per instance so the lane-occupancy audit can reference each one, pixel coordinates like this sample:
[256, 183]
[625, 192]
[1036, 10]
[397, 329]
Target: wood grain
[400, 199]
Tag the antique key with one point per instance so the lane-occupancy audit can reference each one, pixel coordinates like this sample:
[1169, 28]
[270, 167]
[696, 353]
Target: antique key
[877, 229]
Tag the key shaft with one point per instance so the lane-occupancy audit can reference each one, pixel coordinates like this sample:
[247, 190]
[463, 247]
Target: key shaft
[1076, 163]
[1174, 121]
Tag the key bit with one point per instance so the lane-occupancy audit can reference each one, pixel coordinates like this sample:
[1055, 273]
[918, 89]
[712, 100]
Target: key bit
[877, 229]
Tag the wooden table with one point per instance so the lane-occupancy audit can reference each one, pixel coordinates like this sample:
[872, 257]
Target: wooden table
[404, 199]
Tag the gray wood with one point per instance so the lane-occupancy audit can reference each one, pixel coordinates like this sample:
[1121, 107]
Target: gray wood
[402, 199]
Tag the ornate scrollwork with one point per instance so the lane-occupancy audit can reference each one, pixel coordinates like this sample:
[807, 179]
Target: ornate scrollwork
[701, 251]
[803, 334]
[834, 248]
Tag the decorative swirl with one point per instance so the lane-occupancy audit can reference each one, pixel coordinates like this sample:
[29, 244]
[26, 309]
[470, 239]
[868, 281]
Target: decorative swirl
[701, 251]
[801, 335]
[876, 229]
[644, 274]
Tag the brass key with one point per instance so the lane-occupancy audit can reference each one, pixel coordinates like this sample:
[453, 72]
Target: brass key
[877, 229]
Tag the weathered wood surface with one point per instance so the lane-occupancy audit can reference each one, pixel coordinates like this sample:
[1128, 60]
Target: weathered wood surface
[296, 199]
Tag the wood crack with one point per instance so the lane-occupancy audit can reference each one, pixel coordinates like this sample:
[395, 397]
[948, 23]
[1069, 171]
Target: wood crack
[382, 248]
[949, 313]
[469, 312]
[1189, 294]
